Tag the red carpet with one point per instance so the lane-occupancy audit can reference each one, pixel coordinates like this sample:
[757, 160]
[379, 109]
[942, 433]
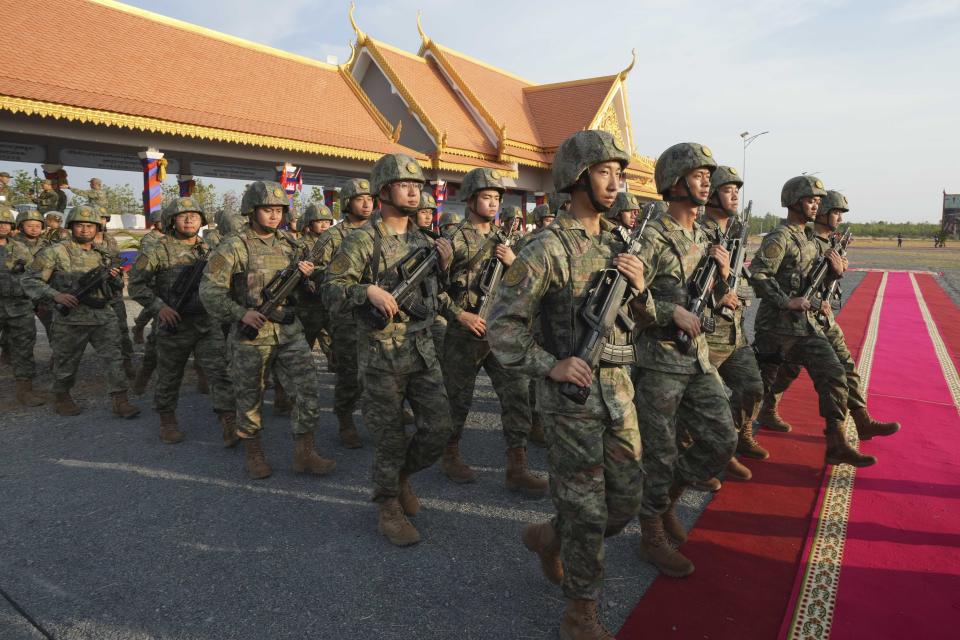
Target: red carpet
[747, 544]
[900, 570]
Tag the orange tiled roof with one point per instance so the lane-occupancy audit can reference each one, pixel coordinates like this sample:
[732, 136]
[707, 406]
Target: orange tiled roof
[113, 59]
[560, 109]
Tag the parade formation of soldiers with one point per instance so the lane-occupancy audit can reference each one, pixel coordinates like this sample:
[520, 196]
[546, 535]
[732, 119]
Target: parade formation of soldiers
[613, 333]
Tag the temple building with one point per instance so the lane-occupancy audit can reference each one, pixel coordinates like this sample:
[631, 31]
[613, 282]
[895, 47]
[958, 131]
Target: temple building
[127, 89]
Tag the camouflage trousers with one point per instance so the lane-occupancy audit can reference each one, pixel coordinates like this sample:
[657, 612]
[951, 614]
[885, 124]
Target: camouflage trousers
[394, 369]
[143, 318]
[315, 320]
[699, 403]
[596, 482]
[789, 371]
[347, 390]
[150, 349]
[202, 337]
[464, 355]
[740, 373]
[68, 343]
[19, 338]
[818, 357]
[292, 364]
[123, 331]
[44, 313]
[439, 333]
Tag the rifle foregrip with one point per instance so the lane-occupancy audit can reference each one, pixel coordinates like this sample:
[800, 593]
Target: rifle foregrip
[574, 392]
[246, 331]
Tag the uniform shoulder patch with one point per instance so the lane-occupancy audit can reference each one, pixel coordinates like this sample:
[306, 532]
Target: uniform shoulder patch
[217, 263]
[142, 261]
[772, 250]
[516, 274]
[340, 264]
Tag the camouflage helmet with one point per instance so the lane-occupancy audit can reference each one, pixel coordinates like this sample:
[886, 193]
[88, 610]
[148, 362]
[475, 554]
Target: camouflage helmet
[679, 160]
[724, 175]
[833, 200]
[103, 212]
[659, 209]
[184, 204]
[800, 187]
[427, 201]
[450, 217]
[6, 215]
[394, 167]
[29, 214]
[317, 212]
[84, 213]
[354, 187]
[156, 216]
[581, 151]
[557, 200]
[624, 202]
[292, 215]
[230, 224]
[480, 179]
[542, 211]
[263, 194]
[509, 213]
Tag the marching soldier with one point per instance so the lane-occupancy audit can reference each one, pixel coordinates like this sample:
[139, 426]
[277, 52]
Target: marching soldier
[95, 195]
[674, 384]
[16, 310]
[448, 220]
[787, 328]
[53, 230]
[625, 210]
[466, 346]
[109, 244]
[6, 193]
[829, 216]
[397, 361]
[356, 203]
[156, 282]
[593, 448]
[231, 290]
[54, 274]
[144, 317]
[425, 213]
[30, 224]
[316, 221]
[48, 199]
[729, 351]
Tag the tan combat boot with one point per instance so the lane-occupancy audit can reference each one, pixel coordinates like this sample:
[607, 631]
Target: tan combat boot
[748, 446]
[395, 526]
[453, 466]
[169, 433]
[64, 404]
[671, 523]
[25, 395]
[349, 437]
[307, 460]
[768, 416]
[537, 436]
[128, 369]
[228, 424]
[519, 476]
[409, 501]
[581, 622]
[867, 427]
[256, 461]
[140, 383]
[736, 469]
[840, 452]
[711, 485]
[281, 401]
[543, 540]
[655, 549]
[122, 407]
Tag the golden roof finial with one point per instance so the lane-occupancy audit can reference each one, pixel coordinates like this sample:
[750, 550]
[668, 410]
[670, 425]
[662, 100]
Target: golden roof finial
[423, 36]
[633, 61]
[349, 61]
[395, 136]
[361, 36]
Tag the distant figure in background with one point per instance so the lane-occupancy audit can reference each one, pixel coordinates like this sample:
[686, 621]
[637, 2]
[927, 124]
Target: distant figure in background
[899, 240]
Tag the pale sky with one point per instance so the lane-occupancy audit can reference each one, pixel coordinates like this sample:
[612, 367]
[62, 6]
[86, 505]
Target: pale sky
[865, 94]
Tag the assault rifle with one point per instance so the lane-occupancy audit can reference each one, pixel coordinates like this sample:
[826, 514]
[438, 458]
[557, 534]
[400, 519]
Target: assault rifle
[833, 289]
[90, 282]
[18, 267]
[411, 272]
[493, 271]
[818, 273]
[601, 310]
[737, 246]
[186, 286]
[280, 287]
[701, 288]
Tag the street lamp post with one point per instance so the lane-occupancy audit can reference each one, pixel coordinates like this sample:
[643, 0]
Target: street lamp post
[747, 140]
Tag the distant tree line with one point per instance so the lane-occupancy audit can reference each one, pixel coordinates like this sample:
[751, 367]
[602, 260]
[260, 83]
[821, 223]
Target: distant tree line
[766, 224]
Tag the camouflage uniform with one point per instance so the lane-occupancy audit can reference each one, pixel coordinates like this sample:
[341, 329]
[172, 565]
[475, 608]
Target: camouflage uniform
[313, 315]
[57, 269]
[48, 201]
[396, 362]
[94, 197]
[16, 309]
[43, 312]
[594, 449]
[151, 284]
[110, 246]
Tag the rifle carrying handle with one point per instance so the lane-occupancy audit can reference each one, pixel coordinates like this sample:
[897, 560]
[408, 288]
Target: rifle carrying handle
[575, 392]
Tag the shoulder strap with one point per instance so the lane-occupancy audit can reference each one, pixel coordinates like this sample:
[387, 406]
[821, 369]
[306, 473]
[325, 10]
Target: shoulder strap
[377, 252]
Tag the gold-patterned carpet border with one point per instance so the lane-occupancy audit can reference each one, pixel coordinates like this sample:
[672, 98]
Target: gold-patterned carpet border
[813, 615]
[943, 355]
